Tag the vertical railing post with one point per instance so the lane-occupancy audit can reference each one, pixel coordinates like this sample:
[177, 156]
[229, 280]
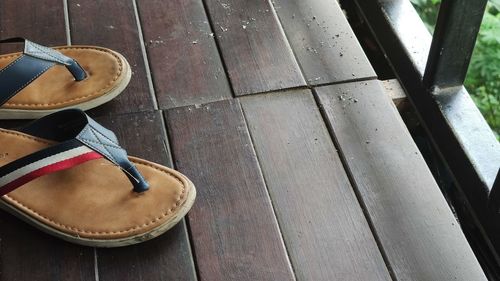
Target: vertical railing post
[496, 185]
[453, 42]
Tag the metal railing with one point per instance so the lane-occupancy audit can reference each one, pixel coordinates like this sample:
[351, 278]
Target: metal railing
[432, 70]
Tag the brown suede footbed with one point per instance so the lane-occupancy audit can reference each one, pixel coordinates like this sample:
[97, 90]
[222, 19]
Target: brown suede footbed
[57, 88]
[94, 200]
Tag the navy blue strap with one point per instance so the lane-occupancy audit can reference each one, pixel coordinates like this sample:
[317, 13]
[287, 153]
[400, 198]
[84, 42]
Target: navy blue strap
[75, 124]
[34, 61]
[19, 74]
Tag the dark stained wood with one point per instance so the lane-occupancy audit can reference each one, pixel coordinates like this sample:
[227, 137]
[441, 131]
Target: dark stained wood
[185, 63]
[234, 231]
[167, 257]
[27, 253]
[417, 230]
[253, 45]
[293, 215]
[323, 41]
[112, 24]
[18, 18]
[325, 231]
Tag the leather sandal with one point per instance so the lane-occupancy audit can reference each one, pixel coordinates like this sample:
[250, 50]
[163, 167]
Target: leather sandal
[67, 175]
[33, 83]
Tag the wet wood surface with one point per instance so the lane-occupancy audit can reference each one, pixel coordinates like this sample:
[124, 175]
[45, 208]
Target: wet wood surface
[295, 181]
[18, 22]
[323, 41]
[233, 227]
[315, 204]
[182, 53]
[113, 24]
[256, 52]
[416, 228]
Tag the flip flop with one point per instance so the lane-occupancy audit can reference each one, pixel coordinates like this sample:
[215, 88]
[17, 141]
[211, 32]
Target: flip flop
[33, 83]
[67, 175]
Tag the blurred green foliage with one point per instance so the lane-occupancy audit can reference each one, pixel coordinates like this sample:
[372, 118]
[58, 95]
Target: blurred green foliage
[483, 77]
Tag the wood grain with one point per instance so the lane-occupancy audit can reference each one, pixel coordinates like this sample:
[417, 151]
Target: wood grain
[27, 253]
[325, 231]
[112, 24]
[234, 230]
[417, 230]
[253, 45]
[17, 19]
[185, 63]
[323, 41]
[167, 257]
[293, 215]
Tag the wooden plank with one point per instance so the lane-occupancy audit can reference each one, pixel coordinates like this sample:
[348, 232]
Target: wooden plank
[323, 41]
[253, 45]
[19, 22]
[234, 231]
[416, 228]
[167, 257]
[27, 253]
[185, 63]
[393, 88]
[113, 24]
[325, 231]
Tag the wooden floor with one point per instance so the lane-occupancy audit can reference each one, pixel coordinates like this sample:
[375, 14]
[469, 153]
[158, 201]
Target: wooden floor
[304, 168]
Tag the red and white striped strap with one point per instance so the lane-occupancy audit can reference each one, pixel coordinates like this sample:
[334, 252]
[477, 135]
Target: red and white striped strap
[53, 159]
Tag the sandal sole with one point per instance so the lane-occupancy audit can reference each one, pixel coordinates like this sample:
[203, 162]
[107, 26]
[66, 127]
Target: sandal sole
[9, 114]
[109, 243]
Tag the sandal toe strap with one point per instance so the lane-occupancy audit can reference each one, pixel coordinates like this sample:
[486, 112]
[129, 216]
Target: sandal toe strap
[80, 139]
[49, 54]
[35, 60]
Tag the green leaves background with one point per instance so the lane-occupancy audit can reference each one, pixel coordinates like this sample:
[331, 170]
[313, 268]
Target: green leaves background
[483, 77]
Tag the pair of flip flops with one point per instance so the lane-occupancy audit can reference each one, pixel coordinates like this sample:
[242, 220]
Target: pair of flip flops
[65, 173]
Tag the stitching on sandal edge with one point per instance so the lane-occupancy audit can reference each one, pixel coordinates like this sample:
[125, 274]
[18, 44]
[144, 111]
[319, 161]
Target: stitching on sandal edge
[114, 79]
[138, 162]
